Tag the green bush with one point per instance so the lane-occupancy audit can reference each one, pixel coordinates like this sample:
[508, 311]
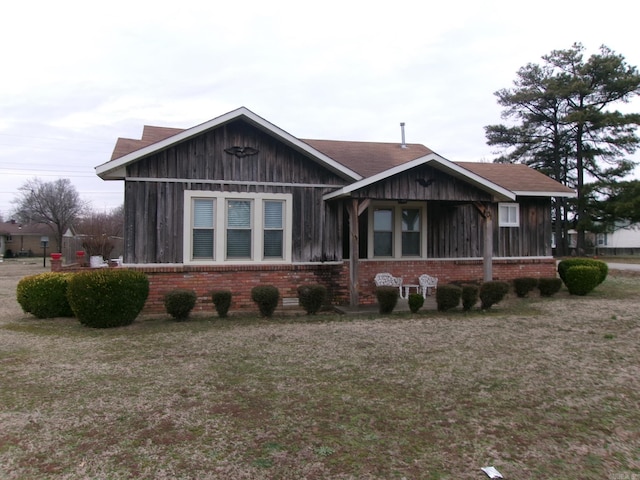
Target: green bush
[549, 286]
[179, 303]
[266, 297]
[222, 302]
[387, 299]
[469, 296]
[491, 293]
[415, 302]
[581, 279]
[523, 285]
[105, 298]
[45, 295]
[566, 264]
[312, 297]
[448, 297]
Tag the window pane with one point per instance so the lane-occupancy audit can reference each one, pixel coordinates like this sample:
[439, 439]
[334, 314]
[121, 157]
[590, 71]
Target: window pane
[382, 220]
[203, 213]
[410, 243]
[203, 243]
[239, 214]
[382, 244]
[272, 214]
[411, 220]
[238, 243]
[273, 243]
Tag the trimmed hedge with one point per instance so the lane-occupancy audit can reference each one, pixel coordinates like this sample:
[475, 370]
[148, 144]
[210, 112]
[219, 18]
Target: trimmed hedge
[492, 292]
[266, 297]
[566, 264]
[416, 301]
[582, 279]
[179, 303]
[106, 298]
[448, 297]
[312, 297]
[549, 286]
[523, 285]
[469, 296]
[45, 295]
[221, 301]
[387, 299]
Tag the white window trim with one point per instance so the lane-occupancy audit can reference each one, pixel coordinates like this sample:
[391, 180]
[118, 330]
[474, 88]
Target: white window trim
[505, 223]
[220, 227]
[397, 229]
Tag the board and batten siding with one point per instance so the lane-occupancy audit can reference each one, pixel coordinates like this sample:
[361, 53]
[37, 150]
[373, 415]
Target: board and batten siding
[155, 186]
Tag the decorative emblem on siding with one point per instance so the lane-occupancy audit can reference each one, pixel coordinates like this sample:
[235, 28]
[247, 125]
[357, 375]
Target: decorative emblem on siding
[425, 182]
[241, 152]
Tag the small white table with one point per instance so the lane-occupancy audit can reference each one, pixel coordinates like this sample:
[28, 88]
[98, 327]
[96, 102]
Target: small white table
[407, 289]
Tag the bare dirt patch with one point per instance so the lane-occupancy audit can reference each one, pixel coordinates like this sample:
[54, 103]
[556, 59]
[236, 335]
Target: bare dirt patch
[540, 388]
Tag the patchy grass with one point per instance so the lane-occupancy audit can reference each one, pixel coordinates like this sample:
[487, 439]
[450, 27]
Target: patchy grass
[540, 388]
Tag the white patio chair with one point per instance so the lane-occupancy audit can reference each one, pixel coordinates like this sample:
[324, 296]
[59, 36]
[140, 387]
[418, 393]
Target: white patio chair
[388, 280]
[427, 283]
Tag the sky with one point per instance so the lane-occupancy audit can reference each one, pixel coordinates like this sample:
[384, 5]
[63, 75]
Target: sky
[77, 75]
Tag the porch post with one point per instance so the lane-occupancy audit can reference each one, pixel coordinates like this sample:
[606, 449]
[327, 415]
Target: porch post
[487, 261]
[354, 252]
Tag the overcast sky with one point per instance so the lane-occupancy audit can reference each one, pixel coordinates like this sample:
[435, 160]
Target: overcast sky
[75, 75]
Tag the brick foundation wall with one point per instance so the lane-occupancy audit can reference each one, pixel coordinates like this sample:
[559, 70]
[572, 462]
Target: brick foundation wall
[335, 276]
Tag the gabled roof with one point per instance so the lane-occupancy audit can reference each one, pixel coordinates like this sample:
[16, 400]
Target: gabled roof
[362, 163]
[437, 162]
[115, 169]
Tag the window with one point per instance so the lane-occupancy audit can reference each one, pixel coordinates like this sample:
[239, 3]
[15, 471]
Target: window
[383, 232]
[508, 215]
[203, 231]
[226, 227]
[410, 232]
[397, 230]
[273, 229]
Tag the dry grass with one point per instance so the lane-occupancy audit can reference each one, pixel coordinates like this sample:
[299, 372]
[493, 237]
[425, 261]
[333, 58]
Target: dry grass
[538, 388]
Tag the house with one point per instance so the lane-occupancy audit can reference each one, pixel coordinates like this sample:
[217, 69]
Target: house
[624, 239]
[237, 201]
[18, 240]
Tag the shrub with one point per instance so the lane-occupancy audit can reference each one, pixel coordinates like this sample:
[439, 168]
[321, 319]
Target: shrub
[415, 302]
[45, 295]
[448, 297]
[469, 296]
[549, 286]
[221, 301]
[492, 292]
[266, 297]
[387, 299]
[312, 297]
[523, 285]
[105, 298]
[581, 279]
[179, 303]
[566, 264]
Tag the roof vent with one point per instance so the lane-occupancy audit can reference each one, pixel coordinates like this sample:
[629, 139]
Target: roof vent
[403, 144]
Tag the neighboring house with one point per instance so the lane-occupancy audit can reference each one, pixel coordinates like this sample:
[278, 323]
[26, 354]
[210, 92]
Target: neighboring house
[18, 240]
[237, 201]
[623, 240]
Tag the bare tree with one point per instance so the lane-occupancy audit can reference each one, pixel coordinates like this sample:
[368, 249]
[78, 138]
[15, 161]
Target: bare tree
[100, 230]
[56, 204]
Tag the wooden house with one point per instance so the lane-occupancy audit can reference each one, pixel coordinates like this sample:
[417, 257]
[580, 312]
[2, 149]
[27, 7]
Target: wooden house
[237, 201]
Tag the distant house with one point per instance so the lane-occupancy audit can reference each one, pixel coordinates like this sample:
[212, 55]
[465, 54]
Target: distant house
[18, 240]
[623, 240]
[237, 201]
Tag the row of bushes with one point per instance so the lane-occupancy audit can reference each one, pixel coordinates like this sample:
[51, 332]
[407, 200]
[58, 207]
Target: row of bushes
[179, 303]
[105, 298]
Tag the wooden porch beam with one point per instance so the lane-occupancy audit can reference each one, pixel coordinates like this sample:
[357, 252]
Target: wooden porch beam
[353, 209]
[487, 257]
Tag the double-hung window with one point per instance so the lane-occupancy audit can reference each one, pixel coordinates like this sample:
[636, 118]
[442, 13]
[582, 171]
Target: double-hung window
[227, 227]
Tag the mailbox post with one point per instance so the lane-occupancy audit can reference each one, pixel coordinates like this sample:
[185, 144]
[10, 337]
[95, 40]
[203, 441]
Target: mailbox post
[44, 241]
